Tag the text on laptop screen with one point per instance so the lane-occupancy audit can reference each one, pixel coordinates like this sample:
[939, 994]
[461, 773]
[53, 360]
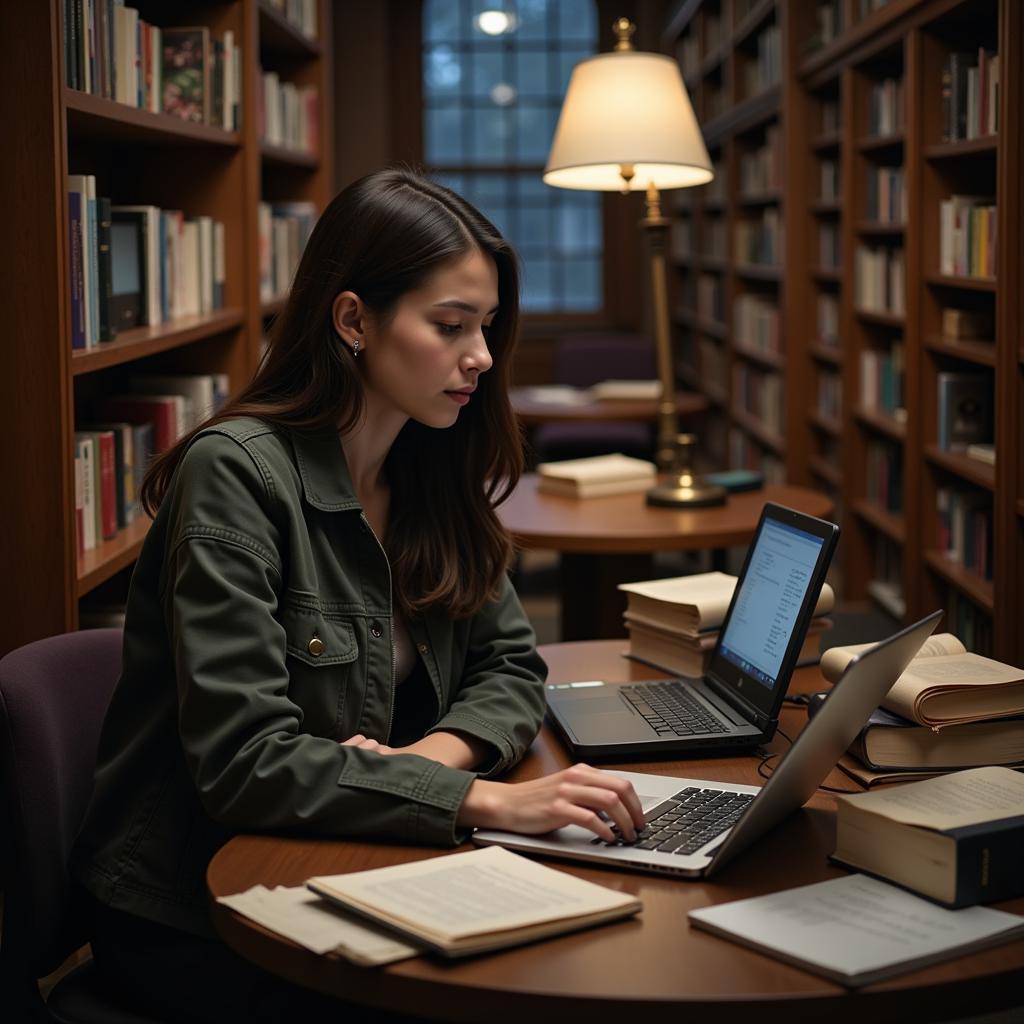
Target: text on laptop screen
[769, 601]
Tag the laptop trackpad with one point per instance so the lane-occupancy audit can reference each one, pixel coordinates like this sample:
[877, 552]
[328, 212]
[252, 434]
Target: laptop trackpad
[605, 719]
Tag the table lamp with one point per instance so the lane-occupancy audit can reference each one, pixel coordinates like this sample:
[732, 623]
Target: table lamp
[627, 123]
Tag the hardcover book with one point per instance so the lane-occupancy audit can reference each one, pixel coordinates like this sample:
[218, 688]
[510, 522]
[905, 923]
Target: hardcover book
[957, 839]
[186, 73]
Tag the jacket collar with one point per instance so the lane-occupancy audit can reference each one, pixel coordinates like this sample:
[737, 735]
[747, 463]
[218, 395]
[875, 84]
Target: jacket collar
[326, 480]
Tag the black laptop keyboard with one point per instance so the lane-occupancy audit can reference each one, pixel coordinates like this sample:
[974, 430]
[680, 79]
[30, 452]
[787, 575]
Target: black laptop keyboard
[672, 710]
[686, 821]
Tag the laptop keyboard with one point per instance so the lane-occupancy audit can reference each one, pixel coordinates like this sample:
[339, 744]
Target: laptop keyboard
[672, 710]
[686, 821]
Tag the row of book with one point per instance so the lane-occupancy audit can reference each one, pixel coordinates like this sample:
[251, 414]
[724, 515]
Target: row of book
[972, 624]
[746, 452]
[885, 107]
[284, 229]
[827, 319]
[711, 298]
[883, 475]
[970, 95]
[967, 236]
[137, 265]
[829, 246]
[714, 367]
[110, 51]
[965, 409]
[756, 323]
[881, 378]
[761, 168]
[766, 69]
[288, 114]
[886, 584]
[830, 395]
[758, 394]
[113, 452]
[886, 197]
[760, 241]
[879, 280]
[828, 21]
[300, 13]
[828, 181]
[964, 533]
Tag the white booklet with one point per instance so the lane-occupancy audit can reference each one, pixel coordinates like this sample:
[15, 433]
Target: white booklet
[856, 930]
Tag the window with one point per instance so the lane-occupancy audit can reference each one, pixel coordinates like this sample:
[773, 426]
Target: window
[494, 76]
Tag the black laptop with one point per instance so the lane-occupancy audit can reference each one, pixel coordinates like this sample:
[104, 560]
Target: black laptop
[737, 703]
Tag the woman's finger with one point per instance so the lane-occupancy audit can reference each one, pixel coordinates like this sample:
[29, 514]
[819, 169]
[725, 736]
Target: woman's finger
[603, 801]
[586, 775]
[589, 820]
[353, 741]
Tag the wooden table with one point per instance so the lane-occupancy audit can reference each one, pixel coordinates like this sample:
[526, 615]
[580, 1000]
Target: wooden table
[653, 963]
[607, 541]
[532, 412]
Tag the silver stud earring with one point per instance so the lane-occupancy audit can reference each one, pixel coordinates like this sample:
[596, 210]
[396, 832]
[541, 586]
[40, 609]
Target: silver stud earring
[355, 348]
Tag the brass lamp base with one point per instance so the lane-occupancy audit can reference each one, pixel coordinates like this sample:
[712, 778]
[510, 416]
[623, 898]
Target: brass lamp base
[682, 492]
[681, 488]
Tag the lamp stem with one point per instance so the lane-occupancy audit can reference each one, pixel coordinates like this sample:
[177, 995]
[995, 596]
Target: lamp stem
[656, 228]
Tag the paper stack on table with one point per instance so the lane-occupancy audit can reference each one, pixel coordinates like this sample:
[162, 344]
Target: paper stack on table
[597, 476]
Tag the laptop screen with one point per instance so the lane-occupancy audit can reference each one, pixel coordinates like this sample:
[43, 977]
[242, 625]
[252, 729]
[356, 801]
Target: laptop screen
[782, 566]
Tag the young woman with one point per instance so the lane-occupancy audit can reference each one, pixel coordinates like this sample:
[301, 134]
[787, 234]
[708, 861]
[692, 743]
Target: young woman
[320, 635]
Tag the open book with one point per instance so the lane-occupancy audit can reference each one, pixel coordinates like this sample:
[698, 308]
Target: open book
[692, 604]
[943, 685]
[474, 902]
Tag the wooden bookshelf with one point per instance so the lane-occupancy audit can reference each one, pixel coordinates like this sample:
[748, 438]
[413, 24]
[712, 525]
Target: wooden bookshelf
[137, 156]
[837, 151]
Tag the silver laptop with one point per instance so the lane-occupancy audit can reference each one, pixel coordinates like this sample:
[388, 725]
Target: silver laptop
[736, 704]
[694, 826]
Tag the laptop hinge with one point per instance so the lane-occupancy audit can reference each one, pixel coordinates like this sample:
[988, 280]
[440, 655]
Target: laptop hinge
[724, 692]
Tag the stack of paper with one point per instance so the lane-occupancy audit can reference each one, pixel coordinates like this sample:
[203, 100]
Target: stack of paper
[596, 476]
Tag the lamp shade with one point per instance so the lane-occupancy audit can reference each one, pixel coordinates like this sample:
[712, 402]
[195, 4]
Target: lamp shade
[627, 108]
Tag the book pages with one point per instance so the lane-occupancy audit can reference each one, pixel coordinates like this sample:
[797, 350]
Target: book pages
[957, 688]
[487, 891]
[856, 930]
[312, 922]
[835, 659]
[949, 801]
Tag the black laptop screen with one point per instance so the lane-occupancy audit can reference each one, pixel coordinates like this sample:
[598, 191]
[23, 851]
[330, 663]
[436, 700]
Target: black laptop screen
[779, 572]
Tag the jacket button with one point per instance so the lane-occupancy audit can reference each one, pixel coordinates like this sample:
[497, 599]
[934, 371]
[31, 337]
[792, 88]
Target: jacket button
[423, 649]
[316, 647]
[375, 630]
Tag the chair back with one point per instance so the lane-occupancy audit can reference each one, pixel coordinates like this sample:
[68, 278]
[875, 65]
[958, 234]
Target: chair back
[54, 694]
[589, 358]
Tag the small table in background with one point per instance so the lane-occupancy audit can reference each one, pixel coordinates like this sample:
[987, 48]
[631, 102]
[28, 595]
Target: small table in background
[607, 541]
[532, 411]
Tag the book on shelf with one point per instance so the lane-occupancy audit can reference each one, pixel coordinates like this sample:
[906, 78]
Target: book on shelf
[879, 280]
[288, 114]
[104, 481]
[970, 94]
[283, 230]
[889, 742]
[968, 324]
[964, 528]
[944, 685]
[956, 839]
[982, 452]
[965, 409]
[85, 493]
[856, 930]
[204, 393]
[885, 109]
[596, 476]
[625, 390]
[967, 236]
[503, 900]
[684, 655]
[692, 605]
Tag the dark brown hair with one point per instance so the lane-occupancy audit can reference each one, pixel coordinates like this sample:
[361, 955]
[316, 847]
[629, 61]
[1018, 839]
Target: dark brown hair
[382, 237]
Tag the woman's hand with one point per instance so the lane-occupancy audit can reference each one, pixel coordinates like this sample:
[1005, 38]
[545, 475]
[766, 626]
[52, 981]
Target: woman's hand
[365, 743]
[580, 795]
[457, 750]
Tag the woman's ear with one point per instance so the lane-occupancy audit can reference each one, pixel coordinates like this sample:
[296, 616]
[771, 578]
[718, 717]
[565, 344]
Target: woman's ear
[349, 315]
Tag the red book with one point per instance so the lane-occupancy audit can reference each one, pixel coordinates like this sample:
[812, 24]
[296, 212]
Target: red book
[160, 410]
[105, 475]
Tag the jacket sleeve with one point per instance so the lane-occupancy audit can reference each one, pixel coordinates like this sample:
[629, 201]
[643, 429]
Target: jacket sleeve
[501, 696]
[252, 765]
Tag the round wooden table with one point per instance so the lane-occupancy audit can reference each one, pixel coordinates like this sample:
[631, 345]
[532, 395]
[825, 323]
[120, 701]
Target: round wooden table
[654, 963]
[607, 541]
[532, 412]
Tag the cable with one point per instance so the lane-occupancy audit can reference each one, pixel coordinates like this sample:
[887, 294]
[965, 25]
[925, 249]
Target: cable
[766, 757]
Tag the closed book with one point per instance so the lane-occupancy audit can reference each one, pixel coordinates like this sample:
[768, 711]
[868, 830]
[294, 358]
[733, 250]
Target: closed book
[503, 900]
[105, 477]
[123, 470]
[78, 184]
[76, 274]
[87, 521]
[598, 469]
[197, 389]
[891, 742]
[186, 73]
[957, 839]
[108, 329]
[593, 489]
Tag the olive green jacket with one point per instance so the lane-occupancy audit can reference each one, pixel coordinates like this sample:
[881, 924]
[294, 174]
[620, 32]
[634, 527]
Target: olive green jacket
[258, 636]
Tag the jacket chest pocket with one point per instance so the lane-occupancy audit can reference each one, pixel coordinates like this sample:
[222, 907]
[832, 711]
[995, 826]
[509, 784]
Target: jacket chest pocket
[320, 655]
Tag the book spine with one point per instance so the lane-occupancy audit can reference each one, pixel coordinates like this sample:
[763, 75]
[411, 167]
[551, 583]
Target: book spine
[93, 255]
[75, 255]
[104, 268]
[989, 859]
[108, 484]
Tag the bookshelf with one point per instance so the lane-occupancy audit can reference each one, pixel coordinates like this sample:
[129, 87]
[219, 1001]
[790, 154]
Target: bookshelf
[137, 156]
[871, 359]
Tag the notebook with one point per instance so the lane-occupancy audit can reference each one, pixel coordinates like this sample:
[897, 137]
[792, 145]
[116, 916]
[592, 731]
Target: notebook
[694, 826]
[736, 704]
